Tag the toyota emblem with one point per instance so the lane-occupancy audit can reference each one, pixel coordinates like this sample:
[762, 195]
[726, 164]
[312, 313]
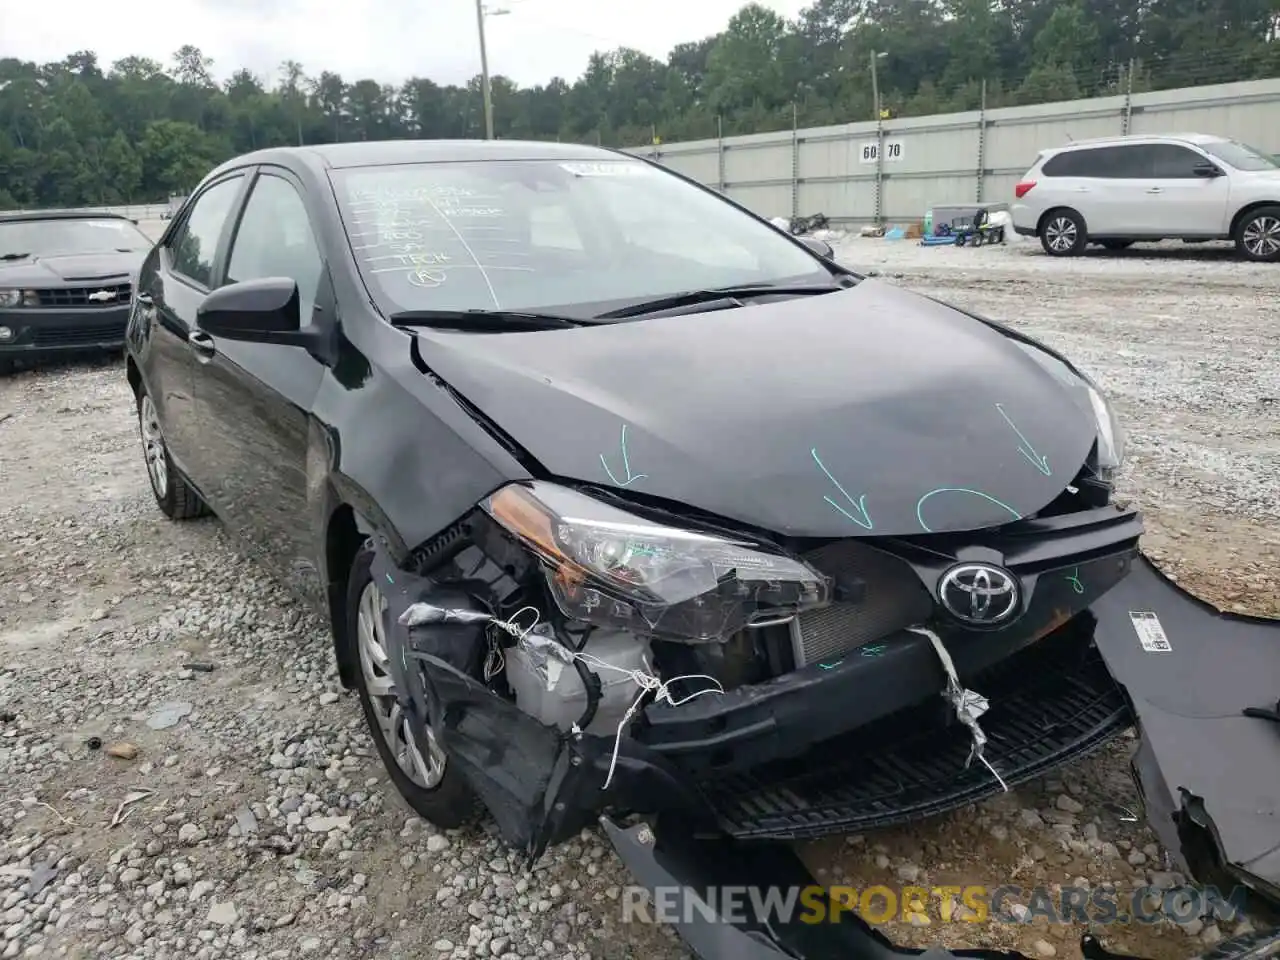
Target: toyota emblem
[980, 593]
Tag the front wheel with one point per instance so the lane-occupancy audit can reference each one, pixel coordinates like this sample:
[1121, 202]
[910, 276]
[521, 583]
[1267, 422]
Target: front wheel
[1258, 235]
[1063, 234]
[417, 765]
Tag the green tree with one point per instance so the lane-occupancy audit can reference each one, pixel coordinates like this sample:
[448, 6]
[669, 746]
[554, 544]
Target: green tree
[72, 132]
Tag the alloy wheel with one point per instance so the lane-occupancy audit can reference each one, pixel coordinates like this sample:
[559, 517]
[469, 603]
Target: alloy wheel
[1261, 237]
[153, 447]
[1060, 234]
[395, 725]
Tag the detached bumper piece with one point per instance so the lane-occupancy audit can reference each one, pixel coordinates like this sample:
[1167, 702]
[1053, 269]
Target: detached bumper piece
[673, 867]
[1050, 704]
[1201, 682]
[680, 872]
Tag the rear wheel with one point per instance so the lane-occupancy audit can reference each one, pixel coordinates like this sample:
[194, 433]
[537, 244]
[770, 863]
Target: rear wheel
[176, 497]
[1258, 235]
[1062, 233]
[417, 765]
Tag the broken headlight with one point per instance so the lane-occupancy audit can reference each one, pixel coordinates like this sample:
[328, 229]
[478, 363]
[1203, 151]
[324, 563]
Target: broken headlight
[612, 568]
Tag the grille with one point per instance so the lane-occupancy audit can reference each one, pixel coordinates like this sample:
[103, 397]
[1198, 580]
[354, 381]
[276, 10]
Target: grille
[894, 598]
[70, 336]
[79, 296]
[1050, 705]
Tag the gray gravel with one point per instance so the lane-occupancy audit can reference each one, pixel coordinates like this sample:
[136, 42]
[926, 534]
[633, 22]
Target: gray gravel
[252, 818]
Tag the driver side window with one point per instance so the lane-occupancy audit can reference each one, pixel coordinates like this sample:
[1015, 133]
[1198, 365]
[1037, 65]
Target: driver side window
[274, 239]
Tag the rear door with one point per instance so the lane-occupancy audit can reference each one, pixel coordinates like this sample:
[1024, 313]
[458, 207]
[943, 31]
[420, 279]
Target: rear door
[168, 299]
[1107, 185]
[254, 399]
[1180, 202]
[1077, 180]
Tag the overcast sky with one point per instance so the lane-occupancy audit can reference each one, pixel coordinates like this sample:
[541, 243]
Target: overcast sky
[382, 39]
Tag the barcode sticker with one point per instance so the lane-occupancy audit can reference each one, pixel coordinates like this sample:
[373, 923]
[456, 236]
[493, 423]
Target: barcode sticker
[1150, 633]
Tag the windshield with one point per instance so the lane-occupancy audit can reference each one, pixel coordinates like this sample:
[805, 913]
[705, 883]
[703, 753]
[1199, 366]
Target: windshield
[1239, 155]
[579, 237]
[45, 237]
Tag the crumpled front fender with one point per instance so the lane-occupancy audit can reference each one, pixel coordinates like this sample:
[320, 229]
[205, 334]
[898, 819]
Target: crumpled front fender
[1209, 774]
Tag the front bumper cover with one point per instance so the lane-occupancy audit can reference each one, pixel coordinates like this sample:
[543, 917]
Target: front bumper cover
[1208, 773]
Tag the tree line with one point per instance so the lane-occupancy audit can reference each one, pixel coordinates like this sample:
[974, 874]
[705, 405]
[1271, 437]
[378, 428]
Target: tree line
[76, 132]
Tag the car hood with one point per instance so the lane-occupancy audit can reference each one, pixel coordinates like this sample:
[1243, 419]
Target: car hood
[871, 411]
[71, 268]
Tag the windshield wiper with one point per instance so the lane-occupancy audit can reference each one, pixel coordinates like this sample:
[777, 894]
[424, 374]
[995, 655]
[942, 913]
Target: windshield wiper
[711, 295]
[488, 321]
[14, 256]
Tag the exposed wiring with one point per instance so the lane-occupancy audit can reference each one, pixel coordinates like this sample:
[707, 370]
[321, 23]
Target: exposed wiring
[419, 613]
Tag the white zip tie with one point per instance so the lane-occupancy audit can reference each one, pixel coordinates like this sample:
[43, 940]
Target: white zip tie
[967, 704]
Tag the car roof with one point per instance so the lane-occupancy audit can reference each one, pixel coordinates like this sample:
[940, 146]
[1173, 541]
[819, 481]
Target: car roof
[36, 215]
[334, 156]
[1196, 138]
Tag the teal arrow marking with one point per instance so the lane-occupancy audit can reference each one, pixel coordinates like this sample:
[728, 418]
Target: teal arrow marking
[630, 477]
[1038, 461]
[859, 506]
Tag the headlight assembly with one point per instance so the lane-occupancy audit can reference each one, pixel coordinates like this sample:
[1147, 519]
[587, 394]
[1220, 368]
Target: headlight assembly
[609, 567]
[10, 298]
[1110, 435]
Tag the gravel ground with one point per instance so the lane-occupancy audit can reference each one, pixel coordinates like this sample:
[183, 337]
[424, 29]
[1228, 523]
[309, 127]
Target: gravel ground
[152, 678]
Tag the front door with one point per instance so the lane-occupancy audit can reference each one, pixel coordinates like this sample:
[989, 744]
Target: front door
[1182, 203]
[254, 399]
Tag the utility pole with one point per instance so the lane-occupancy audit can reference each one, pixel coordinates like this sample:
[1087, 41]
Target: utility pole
[879, 114]
[875, 86]
[487, 89]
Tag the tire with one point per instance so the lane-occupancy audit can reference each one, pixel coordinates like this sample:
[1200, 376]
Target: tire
[1117, 244]
[1257, 235]
[439, 794]
[175, 496]
[1063, 234]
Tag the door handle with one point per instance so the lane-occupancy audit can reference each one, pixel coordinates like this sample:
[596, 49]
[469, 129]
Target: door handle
[203, 343]
[1155, 190]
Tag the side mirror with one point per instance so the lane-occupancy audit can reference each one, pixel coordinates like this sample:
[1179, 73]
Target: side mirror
[1204, 168]
[820, 247]
[260, 311]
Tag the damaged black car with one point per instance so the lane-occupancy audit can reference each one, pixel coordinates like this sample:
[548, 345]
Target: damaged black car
[622, 502]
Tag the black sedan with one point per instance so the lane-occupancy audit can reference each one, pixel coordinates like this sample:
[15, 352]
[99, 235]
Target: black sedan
[66, 280]
[619, 499]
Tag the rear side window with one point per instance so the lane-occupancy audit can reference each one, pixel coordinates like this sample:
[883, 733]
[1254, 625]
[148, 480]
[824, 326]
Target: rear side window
[1130, 161]
[1073, 163]
[196, 243]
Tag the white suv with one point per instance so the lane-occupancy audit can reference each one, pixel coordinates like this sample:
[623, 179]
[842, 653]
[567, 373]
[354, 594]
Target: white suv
[1120, 190]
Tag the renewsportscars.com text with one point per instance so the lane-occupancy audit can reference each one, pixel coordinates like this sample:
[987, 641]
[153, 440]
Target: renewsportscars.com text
[951, 904]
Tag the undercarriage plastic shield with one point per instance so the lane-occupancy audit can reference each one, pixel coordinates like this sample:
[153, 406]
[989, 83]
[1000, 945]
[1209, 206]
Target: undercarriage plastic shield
[1209, 774]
